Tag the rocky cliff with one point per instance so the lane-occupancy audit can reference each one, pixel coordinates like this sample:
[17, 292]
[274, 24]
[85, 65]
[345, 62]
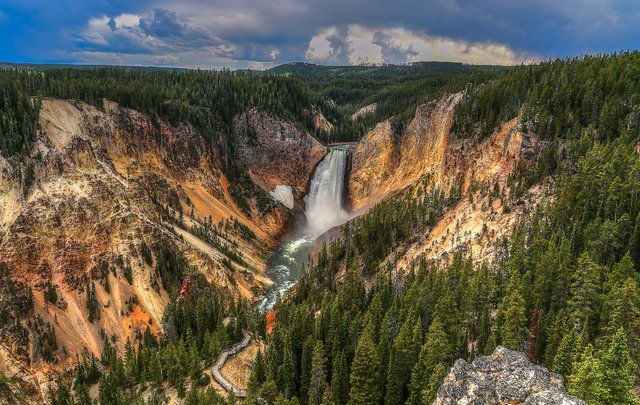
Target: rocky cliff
[427, 154]
[276, 153]
[505, 377]
[100, 194]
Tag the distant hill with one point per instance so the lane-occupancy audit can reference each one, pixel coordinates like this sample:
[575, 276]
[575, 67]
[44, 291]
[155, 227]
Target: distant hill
[381, 71]
[41, 67]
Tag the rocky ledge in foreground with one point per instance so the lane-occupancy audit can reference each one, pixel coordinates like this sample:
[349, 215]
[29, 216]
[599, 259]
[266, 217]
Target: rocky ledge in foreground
[505, 377]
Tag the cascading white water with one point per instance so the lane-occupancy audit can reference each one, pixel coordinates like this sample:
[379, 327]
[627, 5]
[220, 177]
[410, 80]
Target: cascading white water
[323, 204]
[323, 208]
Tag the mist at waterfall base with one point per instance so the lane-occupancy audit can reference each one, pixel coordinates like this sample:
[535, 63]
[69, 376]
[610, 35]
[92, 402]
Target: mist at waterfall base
[323, 210]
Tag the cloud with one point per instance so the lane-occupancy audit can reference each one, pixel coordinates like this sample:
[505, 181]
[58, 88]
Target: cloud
[399, 45]
[163, 23]
[332, 45]
[89, 57]
[168, 60]
[340, 46]
[211, 32]
[392, 52]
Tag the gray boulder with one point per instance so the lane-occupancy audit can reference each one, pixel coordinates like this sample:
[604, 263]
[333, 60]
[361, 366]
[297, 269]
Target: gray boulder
[505, 377]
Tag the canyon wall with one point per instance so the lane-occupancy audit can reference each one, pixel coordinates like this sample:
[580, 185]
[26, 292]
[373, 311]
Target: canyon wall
[276, 153]
[100, 189]
[426, 154]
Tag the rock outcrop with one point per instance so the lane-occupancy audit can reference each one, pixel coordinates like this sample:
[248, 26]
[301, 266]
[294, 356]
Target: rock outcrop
[505, 377]
[367, 109]
[385, 161]
[276, 153]
[374, 161]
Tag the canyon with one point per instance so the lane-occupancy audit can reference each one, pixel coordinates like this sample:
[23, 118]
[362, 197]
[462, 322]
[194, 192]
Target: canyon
[101, 186]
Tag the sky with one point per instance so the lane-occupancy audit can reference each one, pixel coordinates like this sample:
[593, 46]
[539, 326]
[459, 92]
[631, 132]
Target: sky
[259, 34]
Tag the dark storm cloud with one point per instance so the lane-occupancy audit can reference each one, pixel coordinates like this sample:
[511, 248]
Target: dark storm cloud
[544, 27]
[163, 23]
[112, 24]
[258, 30]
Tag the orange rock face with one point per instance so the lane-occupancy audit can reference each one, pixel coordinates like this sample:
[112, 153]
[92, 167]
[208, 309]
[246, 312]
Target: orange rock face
[105, 181]
[428, 154]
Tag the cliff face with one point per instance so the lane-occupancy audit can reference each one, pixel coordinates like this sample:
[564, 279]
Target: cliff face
[276, 152]
[384, 161]
[374, 161]
[427, 154]
[96, 186]
[505, 377]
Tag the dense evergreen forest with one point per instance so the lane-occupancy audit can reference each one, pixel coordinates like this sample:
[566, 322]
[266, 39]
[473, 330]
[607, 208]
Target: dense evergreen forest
[559, 99]
[209, 100]
[396, 89]
[205, 99]
[564, 287]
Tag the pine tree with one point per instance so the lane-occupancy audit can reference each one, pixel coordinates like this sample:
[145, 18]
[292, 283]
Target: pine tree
[287, 375]
[93, 374]
[556, 330]
[624, 300]
[436, 351]
[340, 379]
[584, 291]
[431, 391]
[512, 314]
[318, 375]
[155, 370]
[634, 244]
[82, 394]
[618, 370]
[269, 391]
[259, 367]
[305, 373]
[586, 381]
[562, 363]
[328, 397]
[364, 379]
[93, 306]
[405, 352]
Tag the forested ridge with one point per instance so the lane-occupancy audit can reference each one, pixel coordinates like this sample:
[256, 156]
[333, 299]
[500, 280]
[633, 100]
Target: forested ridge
[396, 89]
[208, 100]
[559, 98]
[564, 287]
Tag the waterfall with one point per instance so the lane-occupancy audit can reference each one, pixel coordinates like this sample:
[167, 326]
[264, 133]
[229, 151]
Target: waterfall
[323, 204]
[323, 208]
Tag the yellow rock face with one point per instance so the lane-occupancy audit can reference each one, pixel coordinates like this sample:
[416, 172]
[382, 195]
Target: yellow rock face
[104, 182]
[427, 153]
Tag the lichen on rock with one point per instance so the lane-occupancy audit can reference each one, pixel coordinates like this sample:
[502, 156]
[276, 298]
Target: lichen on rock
[505, 377]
